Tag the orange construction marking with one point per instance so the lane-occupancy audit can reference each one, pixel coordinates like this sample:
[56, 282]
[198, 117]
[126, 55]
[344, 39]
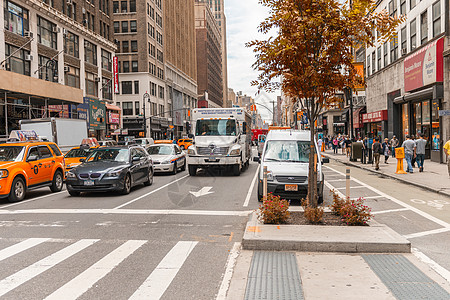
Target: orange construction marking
[254, 229]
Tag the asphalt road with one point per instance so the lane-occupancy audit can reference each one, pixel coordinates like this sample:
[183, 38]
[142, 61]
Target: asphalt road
[172, 240]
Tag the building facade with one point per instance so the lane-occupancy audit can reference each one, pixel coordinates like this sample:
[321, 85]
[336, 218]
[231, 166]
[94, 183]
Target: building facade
[56, 56]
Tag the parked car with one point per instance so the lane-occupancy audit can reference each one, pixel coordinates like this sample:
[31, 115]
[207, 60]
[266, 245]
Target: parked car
[144, 142]
[75, 155]
[108, 143]
[184, 143]
[164, 142]
[167, 158]
[117, 168]
[286, 156]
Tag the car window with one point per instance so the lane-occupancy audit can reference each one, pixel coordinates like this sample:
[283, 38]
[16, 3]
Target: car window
[109, 154]
[160, 150]
[33, 151]
[44, 152]
[142, 152]
[177, 149]
[11, 153]
[55, 149]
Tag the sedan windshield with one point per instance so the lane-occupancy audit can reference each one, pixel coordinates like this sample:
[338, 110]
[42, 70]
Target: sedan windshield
[11, 153]
[119, 155]
[290, 151]
[216, 127]
[160, 150]
[78, 153]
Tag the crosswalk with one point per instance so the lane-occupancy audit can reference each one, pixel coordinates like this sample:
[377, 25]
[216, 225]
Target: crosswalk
[56, 262]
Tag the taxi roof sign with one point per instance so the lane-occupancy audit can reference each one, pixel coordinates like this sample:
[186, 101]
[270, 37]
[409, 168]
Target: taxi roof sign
[23, 135]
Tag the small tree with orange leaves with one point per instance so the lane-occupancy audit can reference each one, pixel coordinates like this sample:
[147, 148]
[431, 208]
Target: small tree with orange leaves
[311, 54]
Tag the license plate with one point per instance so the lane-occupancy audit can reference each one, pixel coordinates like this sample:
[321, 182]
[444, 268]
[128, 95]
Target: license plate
[89, 182]
[290, 187]
[211, 158]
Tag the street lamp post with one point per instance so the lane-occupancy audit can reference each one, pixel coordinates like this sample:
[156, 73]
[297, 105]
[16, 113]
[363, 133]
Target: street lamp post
[145, 97]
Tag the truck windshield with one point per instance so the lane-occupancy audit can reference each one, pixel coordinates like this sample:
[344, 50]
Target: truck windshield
[11, 153]
[290, 151]
[216, 127]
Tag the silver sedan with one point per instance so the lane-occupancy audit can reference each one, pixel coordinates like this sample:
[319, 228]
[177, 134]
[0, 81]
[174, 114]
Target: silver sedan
[167, 158]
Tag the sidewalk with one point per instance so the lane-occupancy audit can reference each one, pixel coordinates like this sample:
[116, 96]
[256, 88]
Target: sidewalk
[434, 176]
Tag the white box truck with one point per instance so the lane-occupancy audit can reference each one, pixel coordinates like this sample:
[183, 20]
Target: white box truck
[222, 138]
[66, 133]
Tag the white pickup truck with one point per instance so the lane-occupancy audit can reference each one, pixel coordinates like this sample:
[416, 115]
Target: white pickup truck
[222, 138]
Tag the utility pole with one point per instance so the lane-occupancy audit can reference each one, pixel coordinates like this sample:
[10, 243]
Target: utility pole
[273, 112]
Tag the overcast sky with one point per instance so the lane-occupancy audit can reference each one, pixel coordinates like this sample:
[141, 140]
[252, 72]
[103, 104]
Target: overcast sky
[243, 18]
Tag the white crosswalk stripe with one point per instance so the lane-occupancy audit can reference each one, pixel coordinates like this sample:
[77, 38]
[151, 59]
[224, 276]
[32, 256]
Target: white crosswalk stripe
[22, 276]
[19, 247]
[83, 282]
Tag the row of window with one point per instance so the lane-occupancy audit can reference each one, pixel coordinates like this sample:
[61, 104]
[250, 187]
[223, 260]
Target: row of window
[127, 87]
[127, 109]
[124, 66]
[127, 46]
[376, 60]
[125, 6]
[125, 28]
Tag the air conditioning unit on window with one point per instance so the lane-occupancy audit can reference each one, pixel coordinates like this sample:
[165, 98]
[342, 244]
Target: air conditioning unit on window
[404, 51]
[28, 34]
[97, 79]
[28, 57]
[66, 69]
[83, 10]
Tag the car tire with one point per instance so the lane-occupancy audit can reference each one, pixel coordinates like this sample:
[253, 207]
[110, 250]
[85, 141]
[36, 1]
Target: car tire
[57, 183]
[126, 185]
[260, 195]
[175, 168]
[74, 193]
[183, 168]
[149, 178]
[236, 170]
[18, 190]
[192, 170]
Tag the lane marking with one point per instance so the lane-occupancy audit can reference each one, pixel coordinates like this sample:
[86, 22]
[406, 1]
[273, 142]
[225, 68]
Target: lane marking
[204, 191]
[250, 190]
[370, 197]
[22, 276]
[389, 211]
[19, 247]
[83, 282]
[33, 199]
[231, 236]
[401, 203]
[128, 212]
[336, 180]
[231, 262]
[149, 193]
[160, 279]
[425, 233]
[434, 265]
[352, 187]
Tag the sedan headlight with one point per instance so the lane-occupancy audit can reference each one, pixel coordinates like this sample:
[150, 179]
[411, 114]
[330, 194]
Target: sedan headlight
[71, 175]
[235, 152]
[114, 173]
[165, 162]
[4, 173]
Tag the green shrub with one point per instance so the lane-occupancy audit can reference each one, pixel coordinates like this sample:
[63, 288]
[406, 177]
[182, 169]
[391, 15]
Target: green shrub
[273, 210]
[355, 213]
[338, 202]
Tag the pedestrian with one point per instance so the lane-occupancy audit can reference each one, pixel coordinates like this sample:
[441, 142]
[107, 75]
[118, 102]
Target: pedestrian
[447, 154]
[420, 152]
[365, 150]
[394, 144]
[377, 149]
[386, 150]
[325, 140]
[348, 146]
[319, 143]
[410, 152]
[413, 161]
[335, 145]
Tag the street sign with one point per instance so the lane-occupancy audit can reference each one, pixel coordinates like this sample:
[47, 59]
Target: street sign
[444, 113]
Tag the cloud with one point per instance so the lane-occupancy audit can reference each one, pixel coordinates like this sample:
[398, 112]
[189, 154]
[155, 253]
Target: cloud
[243, 19]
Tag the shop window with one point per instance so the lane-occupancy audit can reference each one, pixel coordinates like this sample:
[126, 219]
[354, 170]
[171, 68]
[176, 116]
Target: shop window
[91, 84]
[107, 88]
[16, 18]
[133, 26]
[90, 53]
[126, 87]
[127, 108]
[18, 62]
[71, 44]
[72, 76]
[405, 120]
[48, 70]
[46, 33]
[412, 32]
[136, 87]
[436, 18]
[106, 60]
[423, 28]
[435, 138]
[136, 108]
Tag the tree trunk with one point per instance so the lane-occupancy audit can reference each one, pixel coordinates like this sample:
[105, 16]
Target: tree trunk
[312, 174]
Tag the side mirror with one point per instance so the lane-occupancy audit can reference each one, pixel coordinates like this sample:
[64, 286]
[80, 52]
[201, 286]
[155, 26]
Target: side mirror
[257, 159]
[82, 160]
[32, 158]
[136, 159]
[325, 160]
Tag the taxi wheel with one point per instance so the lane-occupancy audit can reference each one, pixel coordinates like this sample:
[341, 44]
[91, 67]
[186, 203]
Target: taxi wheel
[149, 178]
[126, 185]
[17, 190]
[57, 183]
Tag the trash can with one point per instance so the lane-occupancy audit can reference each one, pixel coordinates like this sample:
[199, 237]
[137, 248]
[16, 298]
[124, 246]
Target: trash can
[356, 151]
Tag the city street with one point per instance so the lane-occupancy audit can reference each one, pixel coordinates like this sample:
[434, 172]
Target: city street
[172, 240]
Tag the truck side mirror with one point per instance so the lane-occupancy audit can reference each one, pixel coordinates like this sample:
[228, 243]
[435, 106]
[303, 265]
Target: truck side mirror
[256, 159]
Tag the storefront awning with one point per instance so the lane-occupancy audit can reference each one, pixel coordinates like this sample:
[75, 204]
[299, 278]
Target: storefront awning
[434, 92]
[112, 107]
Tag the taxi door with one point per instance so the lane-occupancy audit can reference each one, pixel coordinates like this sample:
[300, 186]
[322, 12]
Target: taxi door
[33, 166]
[48, 162]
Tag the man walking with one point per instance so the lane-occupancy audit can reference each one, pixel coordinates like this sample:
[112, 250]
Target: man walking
[386, 150]
[394, 144]
[377, 149]
[447, 154]
[410, 152]
[420, 150]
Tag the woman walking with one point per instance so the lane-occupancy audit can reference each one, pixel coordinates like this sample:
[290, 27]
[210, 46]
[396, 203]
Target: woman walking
[335, 145]
[386, 150]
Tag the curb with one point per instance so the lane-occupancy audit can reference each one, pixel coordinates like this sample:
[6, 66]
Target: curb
[349, 163]
[377, 238]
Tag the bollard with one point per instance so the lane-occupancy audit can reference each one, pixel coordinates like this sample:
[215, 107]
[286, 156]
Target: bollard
[399, 155]
[347, 183]
[265, 183]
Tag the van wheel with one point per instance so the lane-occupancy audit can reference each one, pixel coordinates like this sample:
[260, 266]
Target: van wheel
[57, 183]
[236, 170]
[18, 190]
[192, 170]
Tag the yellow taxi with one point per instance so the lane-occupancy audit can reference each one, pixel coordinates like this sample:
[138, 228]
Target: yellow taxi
[163, 141]
[26, 164]
[74, 155]
[184, 143]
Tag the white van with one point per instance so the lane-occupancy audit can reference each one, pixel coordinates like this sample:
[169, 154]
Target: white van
[286, 156]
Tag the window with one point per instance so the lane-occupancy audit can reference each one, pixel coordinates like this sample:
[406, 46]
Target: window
[134, 66]
[403, 7]
[125, 47]
[124, 26]
[412, 4]
[393, 8]
[152, 69]
[91, 84]
[106, 60]
[160, 73]
[159, 20]
[17, 63]
[379, 58]
[423, 28]
[127, 108]
[46, 33]
[368, 65]
[126, 87]
[159, 38]
[116, 7]
[72, 77]
[107, 88]
[136, 87]
[160, 56]
[132, 5]
[133, 26]
[394, 48]
[436, 18]
[134, 46]
[71, 44]
[373, 62]
[152, 89]
[126, 66]
[44, 152]
[90, 53]
[117, 42]
[154, 109]
[412, 32]
[136, 107]
[161, 92]
[116, 27]
[404, 39]
[16, 18]
[48, 70]
[123, 7]
[152, 50]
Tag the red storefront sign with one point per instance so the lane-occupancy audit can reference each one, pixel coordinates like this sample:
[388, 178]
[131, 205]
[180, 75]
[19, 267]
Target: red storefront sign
[376, 116]
[113, 118]
[357, 119]
[424, 66]
[116, 74]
